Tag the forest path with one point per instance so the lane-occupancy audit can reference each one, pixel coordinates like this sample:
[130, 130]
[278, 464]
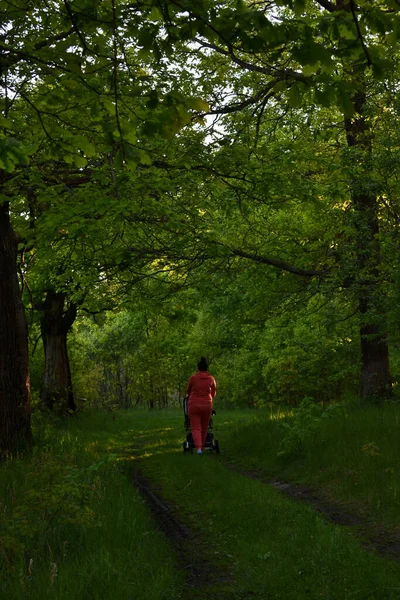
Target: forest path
[203, 579]
[237, 534]
[200, 573]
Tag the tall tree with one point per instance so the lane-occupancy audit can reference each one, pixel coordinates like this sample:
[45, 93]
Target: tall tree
[56, 61]
[306, 53]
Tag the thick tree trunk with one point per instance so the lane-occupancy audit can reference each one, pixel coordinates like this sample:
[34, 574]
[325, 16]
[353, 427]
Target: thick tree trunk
[375, 380]
[15, 432]
[57, 383]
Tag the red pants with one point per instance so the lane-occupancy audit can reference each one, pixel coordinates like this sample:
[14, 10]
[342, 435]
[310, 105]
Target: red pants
[199, 416]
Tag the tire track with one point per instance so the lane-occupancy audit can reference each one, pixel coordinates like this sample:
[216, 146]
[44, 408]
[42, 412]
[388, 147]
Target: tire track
[372, 536]
[201, 575]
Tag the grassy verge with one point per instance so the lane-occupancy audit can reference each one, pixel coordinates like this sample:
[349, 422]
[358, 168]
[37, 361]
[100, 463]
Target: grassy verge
[353, 457]
[73, 526]
[274, 548]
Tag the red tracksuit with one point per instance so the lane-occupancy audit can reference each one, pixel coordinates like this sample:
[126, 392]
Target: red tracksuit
[201, 391]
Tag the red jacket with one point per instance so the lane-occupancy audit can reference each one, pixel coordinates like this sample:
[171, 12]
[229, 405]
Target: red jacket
[201, 388]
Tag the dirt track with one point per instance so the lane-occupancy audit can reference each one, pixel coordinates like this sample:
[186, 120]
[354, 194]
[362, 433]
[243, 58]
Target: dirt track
[190, 549]
[203, 579]
[372, 537]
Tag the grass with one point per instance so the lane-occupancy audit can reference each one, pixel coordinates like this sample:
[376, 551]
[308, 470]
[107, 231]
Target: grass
[354, 458]
[274, 548]
[73, 526]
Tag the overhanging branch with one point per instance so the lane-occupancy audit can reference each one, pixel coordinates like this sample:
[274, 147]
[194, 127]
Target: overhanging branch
[278, 264]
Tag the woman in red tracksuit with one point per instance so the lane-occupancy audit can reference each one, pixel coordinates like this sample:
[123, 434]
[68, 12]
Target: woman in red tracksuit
[200, 391]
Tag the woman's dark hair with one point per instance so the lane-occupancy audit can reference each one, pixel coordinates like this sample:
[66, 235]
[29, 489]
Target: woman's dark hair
[202, 365]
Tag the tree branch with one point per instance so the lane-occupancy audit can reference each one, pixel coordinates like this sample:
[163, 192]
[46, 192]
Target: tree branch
[279, 74]
[278, 264]
[7, 61]
[75, 26]
[263, 95]
[327, 5]
[115, 78]
[54, 38]
[369, 61]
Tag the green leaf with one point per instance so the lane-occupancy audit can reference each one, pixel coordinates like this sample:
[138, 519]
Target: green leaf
[12, 153]
[344, 102]
[299, 6]
[156, 14]
[153, 100]
[309, 70]
[69, 159]
[146, 38]
[325, 96]
[347, 30]
[73, 63]
[82, 143]
[109, 106]
[80, 161]
[145, 159]
[6, 123]
[294, 96]
[199, 104]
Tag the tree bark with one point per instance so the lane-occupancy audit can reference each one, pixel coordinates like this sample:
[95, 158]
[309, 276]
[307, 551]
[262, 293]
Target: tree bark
[375, 380]
[15, 432]
[55, 323]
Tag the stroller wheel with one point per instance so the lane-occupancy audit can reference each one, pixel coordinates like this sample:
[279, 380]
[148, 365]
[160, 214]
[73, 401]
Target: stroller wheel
[185, 448]
[216, 446]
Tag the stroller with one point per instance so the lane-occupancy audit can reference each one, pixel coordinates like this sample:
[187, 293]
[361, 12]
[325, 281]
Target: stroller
[210, 443]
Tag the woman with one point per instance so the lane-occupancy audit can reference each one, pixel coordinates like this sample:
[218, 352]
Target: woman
[200, 391]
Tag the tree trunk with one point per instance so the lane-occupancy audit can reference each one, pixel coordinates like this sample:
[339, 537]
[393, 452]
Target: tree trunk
[375, 380]
[375, 372]
[55, 324]
[15, 432]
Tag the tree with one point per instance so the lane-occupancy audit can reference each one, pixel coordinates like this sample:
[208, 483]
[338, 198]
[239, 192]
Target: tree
[56, 62]
[306, 53]
[14, 371]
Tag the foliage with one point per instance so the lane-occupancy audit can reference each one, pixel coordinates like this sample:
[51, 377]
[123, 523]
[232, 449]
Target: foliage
[145, 357]
[211, 146]
[304, 425]
[132, 359]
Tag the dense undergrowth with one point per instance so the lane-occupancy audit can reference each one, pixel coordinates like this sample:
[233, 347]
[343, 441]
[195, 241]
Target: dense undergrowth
[73, 525]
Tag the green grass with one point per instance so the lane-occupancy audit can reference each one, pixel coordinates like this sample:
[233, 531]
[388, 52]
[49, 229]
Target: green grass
[273, 547]
[354, 459]
[73, 525]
